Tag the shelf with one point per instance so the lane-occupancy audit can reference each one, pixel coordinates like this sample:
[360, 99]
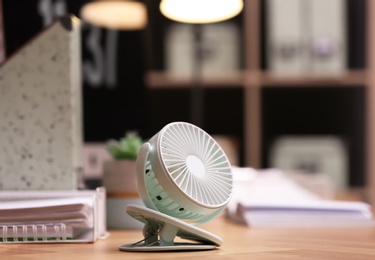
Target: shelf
[156, 79]
[352, 78]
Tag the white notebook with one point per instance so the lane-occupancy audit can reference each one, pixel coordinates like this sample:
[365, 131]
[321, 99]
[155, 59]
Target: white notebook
[27, 233]
[52, 216]
[270, 199]
[304, 214]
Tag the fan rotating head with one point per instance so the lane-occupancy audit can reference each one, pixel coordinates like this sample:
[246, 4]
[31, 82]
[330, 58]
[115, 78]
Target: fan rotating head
[184, 173]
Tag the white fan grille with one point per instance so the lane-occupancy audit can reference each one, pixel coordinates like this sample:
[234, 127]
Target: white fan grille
[207, 177]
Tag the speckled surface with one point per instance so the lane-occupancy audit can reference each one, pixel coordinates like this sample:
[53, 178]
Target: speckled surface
[40, 112]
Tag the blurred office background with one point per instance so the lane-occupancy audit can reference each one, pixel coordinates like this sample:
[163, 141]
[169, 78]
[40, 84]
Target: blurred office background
[284, 81]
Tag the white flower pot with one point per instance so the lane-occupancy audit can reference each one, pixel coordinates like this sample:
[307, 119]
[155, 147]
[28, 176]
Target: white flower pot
[120, 181]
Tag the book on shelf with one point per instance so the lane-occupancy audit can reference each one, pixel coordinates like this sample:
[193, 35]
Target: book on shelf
[306, 37]
[219, 43]
[286, 37]
[52, 216]
[328, 36]
[271, 199]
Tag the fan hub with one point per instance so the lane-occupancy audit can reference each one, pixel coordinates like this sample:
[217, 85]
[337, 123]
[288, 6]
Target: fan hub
[195, 166]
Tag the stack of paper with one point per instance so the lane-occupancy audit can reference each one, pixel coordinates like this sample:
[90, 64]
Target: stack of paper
[50, 216]
[270, 199]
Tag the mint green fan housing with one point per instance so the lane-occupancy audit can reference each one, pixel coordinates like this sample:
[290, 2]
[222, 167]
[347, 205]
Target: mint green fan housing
[184, 173]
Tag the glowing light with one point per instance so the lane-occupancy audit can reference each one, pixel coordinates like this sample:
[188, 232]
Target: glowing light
[115, 15]
[200, 11]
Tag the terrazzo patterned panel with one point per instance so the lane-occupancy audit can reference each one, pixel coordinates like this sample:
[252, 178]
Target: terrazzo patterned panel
[40, 111]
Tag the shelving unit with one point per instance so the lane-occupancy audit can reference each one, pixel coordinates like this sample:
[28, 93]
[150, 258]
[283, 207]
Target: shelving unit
[249, 84]
[166, 80]
[253, 79]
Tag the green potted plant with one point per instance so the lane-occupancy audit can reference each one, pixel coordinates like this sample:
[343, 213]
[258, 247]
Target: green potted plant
[119, 179]
[126, 148]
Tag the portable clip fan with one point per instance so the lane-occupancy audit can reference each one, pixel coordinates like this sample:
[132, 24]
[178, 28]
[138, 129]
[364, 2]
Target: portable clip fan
[184, 179]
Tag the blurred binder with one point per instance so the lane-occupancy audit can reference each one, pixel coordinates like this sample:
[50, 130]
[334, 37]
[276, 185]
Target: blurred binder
[313, 154]
[328, 34]
[286, 26]
[40, 111]
[52, 216]
[219, 43]
[306, 37]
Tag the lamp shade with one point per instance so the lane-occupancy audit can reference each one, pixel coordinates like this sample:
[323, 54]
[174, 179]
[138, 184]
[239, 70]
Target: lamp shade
[200, 11]
[125, 15]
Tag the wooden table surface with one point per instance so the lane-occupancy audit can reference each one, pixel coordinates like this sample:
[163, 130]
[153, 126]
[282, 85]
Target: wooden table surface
[240, 242]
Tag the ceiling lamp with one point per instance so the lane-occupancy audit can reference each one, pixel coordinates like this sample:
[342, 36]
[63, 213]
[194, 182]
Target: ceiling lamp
[120, 15]
[200, 11]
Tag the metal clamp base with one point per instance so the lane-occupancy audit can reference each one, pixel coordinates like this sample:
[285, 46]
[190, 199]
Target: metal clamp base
[160, 231]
